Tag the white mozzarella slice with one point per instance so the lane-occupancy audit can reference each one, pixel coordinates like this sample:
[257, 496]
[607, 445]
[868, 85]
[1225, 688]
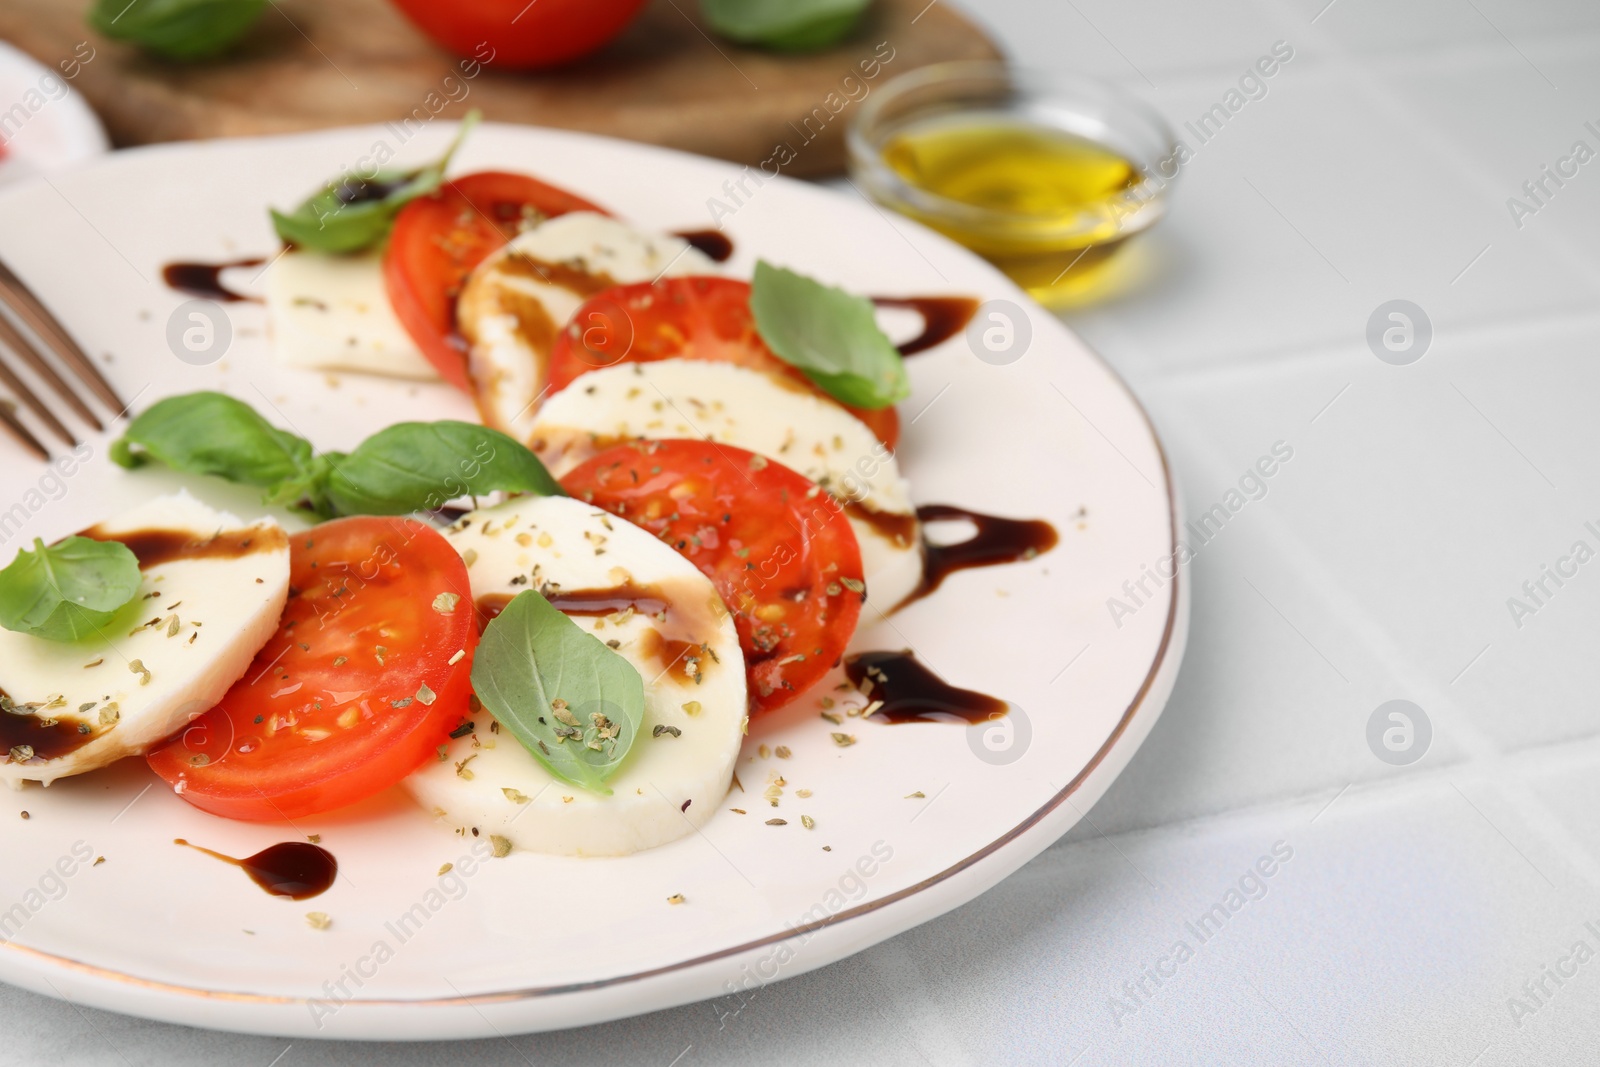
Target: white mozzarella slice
[518, 300]
[667, 785]
[764, 413]
[333, 313]
[214, 587]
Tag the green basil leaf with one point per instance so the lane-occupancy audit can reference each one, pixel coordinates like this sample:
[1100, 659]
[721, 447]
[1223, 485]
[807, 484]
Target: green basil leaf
[412, 466]
[829, 334]
[210, 433]
[419, 466]
[178, 29]
[309, 489]
[67, 591]
[353, 213]
[559, 690]
[785, 25]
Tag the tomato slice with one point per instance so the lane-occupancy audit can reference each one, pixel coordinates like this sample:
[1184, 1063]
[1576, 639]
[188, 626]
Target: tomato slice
[366, 676]
[779, 550]
[687, 317]
[438, 239]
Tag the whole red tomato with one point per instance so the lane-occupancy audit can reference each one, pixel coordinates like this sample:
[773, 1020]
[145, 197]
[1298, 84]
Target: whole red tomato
[518, 34]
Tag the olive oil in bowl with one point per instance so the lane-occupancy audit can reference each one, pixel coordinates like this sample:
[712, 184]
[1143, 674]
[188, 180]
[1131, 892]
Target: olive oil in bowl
[1005, 166]
[1010, 176]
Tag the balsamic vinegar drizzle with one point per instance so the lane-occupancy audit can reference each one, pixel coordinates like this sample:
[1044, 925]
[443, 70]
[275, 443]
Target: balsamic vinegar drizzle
[893, 526]
[294, 869]
[47, 736]
[942, 318]
[676, 654]
[582, 602]
[997, 540]
[912, 693]
[489, 606]
[909, 690]
[593, 602]
[205, 279]
[357, 190]
[716, 245]
[153, 547]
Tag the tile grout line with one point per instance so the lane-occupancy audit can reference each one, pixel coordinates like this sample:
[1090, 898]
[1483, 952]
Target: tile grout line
[1382, 791]
[1388, 102]
[1480, 751]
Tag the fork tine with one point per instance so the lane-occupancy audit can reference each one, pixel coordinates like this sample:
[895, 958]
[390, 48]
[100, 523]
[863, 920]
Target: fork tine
[12, 338]
[13, 425]
[20, 389]
[20, 299]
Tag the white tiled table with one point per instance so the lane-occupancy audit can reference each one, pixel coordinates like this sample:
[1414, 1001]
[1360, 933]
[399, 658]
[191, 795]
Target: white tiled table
[1416, 901]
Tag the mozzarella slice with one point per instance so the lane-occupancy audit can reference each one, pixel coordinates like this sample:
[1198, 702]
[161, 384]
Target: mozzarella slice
[333, 313]
[764, 413]
[668, 785]
[214, 587]
[517, 301]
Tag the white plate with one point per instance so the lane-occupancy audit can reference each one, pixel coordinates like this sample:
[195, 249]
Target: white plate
[535, 942]
[45, 125]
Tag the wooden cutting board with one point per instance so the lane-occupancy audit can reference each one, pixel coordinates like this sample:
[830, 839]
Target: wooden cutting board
[310, 64]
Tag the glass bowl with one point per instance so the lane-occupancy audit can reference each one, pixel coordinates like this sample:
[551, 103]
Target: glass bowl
[1009, 135]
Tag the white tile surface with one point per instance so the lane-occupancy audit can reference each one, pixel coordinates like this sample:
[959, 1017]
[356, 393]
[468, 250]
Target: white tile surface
[1109, 39]
[1419, 899]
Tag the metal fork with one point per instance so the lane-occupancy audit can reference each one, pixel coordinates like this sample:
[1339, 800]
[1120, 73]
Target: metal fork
[20, 301]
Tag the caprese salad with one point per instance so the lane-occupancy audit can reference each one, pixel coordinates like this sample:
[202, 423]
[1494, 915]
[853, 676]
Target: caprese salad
[553, 628]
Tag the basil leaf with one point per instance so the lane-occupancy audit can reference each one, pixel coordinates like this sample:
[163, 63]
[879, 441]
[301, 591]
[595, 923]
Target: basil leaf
[353, 213]
[558, 689]
[67, 591]
[178, 29]
[308, 490]
[210, 433]
[785, 25]
[412, 466]
[830, 335]
[418, 466]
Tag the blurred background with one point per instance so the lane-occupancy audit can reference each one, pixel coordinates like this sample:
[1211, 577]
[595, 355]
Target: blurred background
[1359, 231]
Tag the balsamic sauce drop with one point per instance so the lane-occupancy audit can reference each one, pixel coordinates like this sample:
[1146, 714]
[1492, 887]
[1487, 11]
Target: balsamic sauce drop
[942, 318]
[997, 540]
[716, 245]
[912, 693]
[205, 279]
[294, 869]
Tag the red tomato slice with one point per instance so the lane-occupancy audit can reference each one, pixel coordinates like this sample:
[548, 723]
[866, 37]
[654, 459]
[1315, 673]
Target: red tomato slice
[438, 239]
[691, 317]
[779, 551]
[366, 676]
